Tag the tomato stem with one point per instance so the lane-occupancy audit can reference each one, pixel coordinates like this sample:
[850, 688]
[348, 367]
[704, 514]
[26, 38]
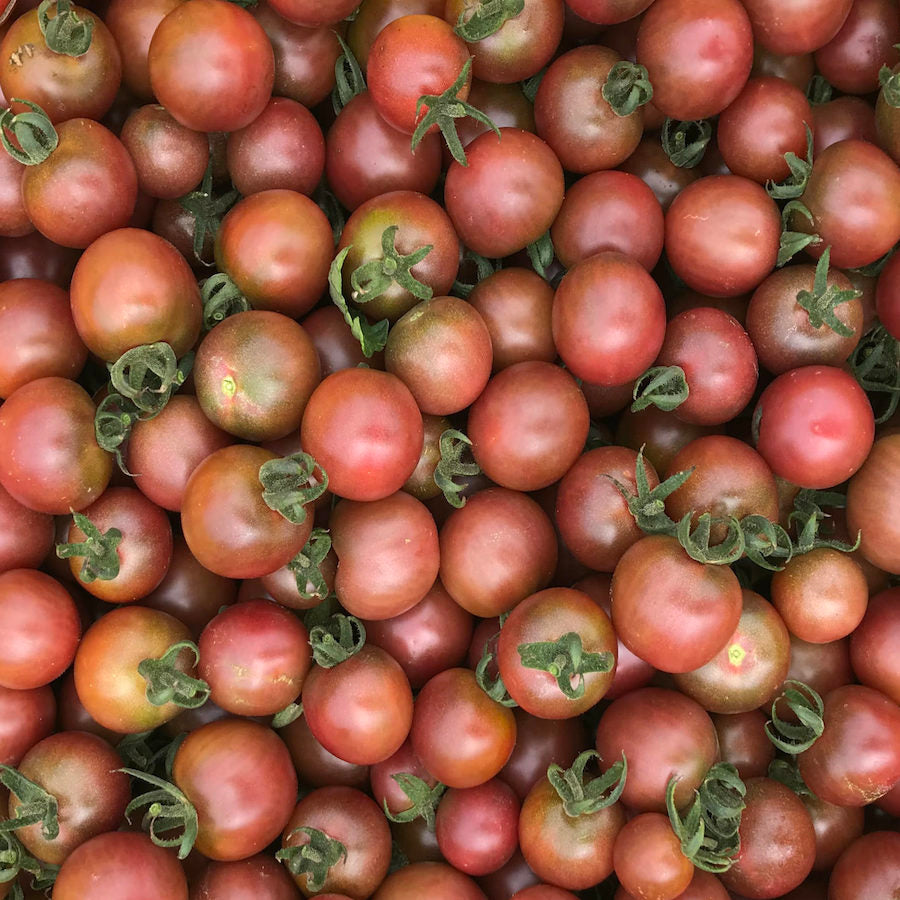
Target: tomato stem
[487, 18]
[453, 444]
[807, 706]
[307, 565]
[313, 859]
[566, 660]
[583, 798]
[66, 33]
[627, 87]
[290, 483]
[168, 809]
[36, 805]
[373, 278]
[99, 550]
[168, 684]
[337, 640]
[685, 142]
[422, 797]
[664, 387]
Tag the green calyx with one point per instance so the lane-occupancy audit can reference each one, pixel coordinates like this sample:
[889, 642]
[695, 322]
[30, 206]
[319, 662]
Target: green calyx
[492, 686]
[483, 268]
[99, 550]
[808, 517]
[148, 375]
[890, 86]
[422, 797]
[627, 87]
[685, 142]
[530, 85]
[28, 137]
[149, 751]
[764, 541]
[168, 809]
[348, 77]
[443, 110]
[709, 830]
[14, 860]
[334, 212]
[486, 18]
[314, 859]
[583, 798]
[373, 278]
[566, 660]
[819, 90]
[807, 706]
[207, 209]
[541, 254]
[168, 684]
[789, 775]
[820, 302]
[307, 565]
[695, 539]
[66, 33]
[453, 444]
[290, 483]
[795, 184]
[792, 242]
[285, 716]
[875, 364]
[36, 806]
[113, 422]
[372, 338]
[221, 298]
[337, 640]
[664, 387]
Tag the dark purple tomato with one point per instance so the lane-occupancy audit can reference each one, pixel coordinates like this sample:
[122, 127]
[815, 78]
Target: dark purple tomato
[743, 742]
[869, 867]
[35, 256]
[650, 163]
[256, 878]
[421, 483]
[872, 643]
[661, 434]
[824, 667]
[26, 717]
[887, 298]
[836, 828]
[843, 119]
[316, 766]
[795, 68]
[504, 104]
[335, 343]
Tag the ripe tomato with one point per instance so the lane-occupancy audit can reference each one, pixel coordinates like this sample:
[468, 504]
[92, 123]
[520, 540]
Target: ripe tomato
[648, 859]
[871, 644]
[26, 717]
[435, 880]
[802, 27]
[867, 868]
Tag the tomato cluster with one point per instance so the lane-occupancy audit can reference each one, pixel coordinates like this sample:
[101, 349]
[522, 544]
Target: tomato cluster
[450, 449]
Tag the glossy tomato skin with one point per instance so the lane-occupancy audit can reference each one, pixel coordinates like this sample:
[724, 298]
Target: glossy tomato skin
[121, 864]
[14, 221]
[255, 878]
[887, 298]
[316, 766]
[648, 859]
[800, 28]
[607, 12]
[867, 868]
[650, 163]
[237, 816]
[871, 644]
[435, 880]
[698, 53]
[335, 345]
[507, 196]
[211, 66]
[661, 434]
[226, 524]
[26, 717]
[41, 627]
[364, 428]
[815, 426]
[743, 742]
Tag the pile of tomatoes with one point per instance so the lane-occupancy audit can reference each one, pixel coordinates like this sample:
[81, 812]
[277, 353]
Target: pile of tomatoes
[449, 449]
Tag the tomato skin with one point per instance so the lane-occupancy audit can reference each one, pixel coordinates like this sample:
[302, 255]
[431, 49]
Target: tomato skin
[648, 859]
[26, 536]
[650, 163]
[887, 298]
[870, 495]
[815, 426]
[435, 880]
[335, 345]
[26, 717]
[211, 66]
[867, 868]
[799, 28]
[126, 865]
[255, 878]
[14, 221]
[871, 644]
[316, 766]
[312, 13]
[364, 428]
[743, 742]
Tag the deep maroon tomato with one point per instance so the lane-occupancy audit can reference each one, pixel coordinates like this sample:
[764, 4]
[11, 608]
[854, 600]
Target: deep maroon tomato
[85, 188]
[869, 867]
[887, 298]
[529, 425]
[41, 629]
[435, 880]
[648, 859]
[836, 827]
[348, 816]
[361, 709]
[814, 426]
[743, 742]
[211, 65]
[315, 765]
[662, 733]
[510, 879]
[801, 27]
[516, 305]
[386, 789]
[26, 717]
[441, 350]
[364, 428]
[795, 68]
[722, 235]
[823, 667]
[698, 54]
[40, 337]
[872, 643]
[574, 118]
[670, 610]
[661, 434]
[842, 119]
[79, 771]
[853, 194]
[765, 121]
[871, 493]
[607, 12]
[257, 878]
[431, 636]
[421, 483]
[570, 852]
[237, 815]
[778, 843]
[615, 290]
[335, 343]
[751, 667]
[313, 13]
[226, 524]
[14, 221]
[276, 246]
[35, 256]
[507, 196]
[131, 287]
[126, 865]
[857, 758]
[496, 550]
[107, 680]
[650, 163]
[592, 516]
[504, 104]
[461, 735]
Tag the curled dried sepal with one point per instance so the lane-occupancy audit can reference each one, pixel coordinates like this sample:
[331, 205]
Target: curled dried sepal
[566, 660]
[66, 33]
[99, 550]
[483, 268]
[765, 540]
[792, 242]
[875, 364]
[808, 515]
[820, 302]
[493, 687]
[337, 640]
[685, 142]
[581, 798]
[348, 77]
[890, 86]
[334, 212]
[33, 132]
[290, 483]
[819, 90]
[789, 775]
[207, 210]
[627, 87]
[722, 795]
[373, 278]
[36, 806]
[168, 684]
[307, 565]
[795, 184]
[149, 374]
[314, 859]
[221, 298]
[664, 387]
[289, 714]
[453, 444]
[807, 706]
[530, 85]
[488, 18]
[113, 422]
[14, 860]
[808, 537]
[443, 111]
[167, 809]
[541, 253]
[423, 799]
[695, 540]
[372, 338]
